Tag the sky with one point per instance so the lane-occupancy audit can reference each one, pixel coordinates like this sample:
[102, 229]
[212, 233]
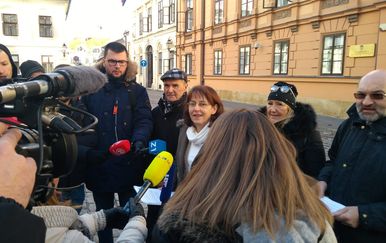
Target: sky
[99, 18]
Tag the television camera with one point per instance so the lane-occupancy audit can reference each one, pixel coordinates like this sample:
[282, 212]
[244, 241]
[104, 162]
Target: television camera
[36, 107]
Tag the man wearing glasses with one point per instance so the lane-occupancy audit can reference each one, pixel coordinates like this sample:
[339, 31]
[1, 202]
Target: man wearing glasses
[356, 173]
[124, 113]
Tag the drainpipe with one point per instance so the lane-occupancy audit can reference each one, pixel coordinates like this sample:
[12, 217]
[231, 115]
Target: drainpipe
[202, 81]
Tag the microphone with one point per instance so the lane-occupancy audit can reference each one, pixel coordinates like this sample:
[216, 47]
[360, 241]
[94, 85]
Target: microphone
[167, 187]
[68, 81]
[120, 148]
[155, 147]
[154, 174]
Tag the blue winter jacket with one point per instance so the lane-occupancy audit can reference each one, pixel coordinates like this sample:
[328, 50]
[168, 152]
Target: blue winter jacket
[131, 121]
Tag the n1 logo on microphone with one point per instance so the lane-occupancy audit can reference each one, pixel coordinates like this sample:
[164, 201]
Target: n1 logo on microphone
[157, 146]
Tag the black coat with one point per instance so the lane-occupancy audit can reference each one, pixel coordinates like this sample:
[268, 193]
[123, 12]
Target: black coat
[301, 131]
[19, 225]
[165, 126]
[131, 121]
[356, 176]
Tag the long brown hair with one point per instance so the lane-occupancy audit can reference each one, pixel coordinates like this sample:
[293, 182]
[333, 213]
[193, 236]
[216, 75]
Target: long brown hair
[211, 95]
[246, 174]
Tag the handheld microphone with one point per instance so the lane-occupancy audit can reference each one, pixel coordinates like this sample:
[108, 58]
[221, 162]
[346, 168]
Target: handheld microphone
[68, 81]
[120, 148]
[167, 187]
[154, 174]
[155, 147]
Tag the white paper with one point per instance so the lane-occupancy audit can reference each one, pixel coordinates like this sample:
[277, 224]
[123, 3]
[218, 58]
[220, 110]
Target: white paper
[151, 197]
[332, 205]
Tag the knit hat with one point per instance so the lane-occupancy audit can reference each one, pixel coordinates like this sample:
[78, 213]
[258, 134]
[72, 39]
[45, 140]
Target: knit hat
[28, 67]
[284, 92]
[174, 74]
[14, 68]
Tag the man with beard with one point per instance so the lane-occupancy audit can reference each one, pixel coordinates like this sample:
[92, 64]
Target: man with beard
[165, 116]
[355, 175]
[123, 110]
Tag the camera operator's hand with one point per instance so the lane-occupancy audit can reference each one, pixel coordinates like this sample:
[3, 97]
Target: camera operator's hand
[96, 157]
[139, 146]
[116, 218]
[17, 173]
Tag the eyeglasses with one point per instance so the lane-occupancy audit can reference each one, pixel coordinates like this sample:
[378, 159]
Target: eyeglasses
[113, 62]
[193, 104]
[373, 96]
[283, 89]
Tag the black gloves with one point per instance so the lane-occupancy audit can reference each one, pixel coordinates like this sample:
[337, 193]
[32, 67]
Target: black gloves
[139, 147]
[118, 217]
[96, 156]
[135, 209]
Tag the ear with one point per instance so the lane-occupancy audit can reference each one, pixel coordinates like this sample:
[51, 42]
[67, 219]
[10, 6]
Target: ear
[215, 107]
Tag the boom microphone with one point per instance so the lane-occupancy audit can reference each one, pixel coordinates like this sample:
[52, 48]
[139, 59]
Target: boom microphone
[154, 174]
[68, 81]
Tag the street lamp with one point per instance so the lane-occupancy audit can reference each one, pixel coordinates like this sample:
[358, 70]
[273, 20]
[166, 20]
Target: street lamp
[64, 49]
[169, 44]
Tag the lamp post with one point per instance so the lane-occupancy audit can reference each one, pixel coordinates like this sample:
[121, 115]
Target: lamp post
[169, 44]
[64, 49]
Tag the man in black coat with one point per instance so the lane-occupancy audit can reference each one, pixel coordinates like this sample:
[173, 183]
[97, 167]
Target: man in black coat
[165, 117]
[355, 175]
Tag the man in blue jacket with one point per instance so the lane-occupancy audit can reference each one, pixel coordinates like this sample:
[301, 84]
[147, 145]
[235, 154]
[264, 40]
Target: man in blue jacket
[123, 110]
[355, 175]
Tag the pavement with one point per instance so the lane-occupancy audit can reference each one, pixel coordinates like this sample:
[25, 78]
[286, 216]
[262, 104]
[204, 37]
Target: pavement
[326, 125]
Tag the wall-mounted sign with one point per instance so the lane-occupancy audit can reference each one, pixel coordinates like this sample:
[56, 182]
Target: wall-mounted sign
[365, 50]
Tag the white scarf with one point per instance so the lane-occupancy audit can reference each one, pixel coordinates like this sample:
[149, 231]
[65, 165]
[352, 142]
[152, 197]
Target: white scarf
[196, 140]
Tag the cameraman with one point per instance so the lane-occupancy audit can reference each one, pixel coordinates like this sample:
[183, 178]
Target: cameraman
[17, 177]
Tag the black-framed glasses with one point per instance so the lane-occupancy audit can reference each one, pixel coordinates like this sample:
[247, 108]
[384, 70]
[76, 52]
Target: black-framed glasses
[373, 96]
[113, 62]
[283, 89]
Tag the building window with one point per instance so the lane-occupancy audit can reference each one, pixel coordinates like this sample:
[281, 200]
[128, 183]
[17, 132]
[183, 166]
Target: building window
[140, 24]
[281, 3]
[218, 11]
[10, 26]
[159, 62]
[217, 62]
[333, 53]
[280, 56]
[15, 59]
[45, 26]
[47, 63]
[171, 59]
[149, 20]
[160, 15]
[244, 59]
[189, 15]
[172, 11]
[188, 64]
[246, 7]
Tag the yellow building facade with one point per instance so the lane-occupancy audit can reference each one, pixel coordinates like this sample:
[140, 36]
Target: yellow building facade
[242, 47]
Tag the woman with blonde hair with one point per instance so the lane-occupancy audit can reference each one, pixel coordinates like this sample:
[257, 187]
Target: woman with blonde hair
[245, 187]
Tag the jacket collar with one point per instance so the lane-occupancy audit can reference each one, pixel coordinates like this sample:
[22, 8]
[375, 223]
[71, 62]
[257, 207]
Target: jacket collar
[379, 125]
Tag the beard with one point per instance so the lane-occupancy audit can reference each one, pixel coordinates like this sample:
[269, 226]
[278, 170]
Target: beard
[113, 79]
[379, 113]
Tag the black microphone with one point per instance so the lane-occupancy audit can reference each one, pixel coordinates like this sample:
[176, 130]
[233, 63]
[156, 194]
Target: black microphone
[68, 81]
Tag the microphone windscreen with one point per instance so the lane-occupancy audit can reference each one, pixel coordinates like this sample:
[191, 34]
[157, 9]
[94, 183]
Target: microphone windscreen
[158, 168]
[120, 148]
[87, 80]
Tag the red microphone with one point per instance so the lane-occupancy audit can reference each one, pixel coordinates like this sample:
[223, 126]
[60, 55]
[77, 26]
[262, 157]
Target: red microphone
[120, 148]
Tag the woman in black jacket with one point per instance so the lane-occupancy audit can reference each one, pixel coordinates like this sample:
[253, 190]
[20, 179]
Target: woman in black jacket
[297, 121]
